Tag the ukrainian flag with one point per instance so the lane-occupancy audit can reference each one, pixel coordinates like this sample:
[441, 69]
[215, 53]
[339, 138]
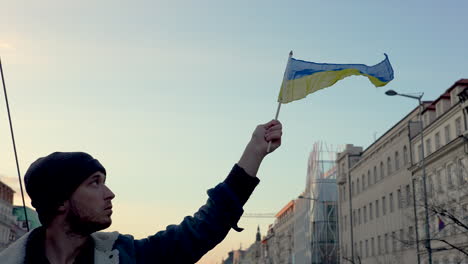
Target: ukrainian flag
[302, 77]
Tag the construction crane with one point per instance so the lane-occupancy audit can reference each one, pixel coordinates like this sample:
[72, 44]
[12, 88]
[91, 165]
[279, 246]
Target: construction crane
[261, 215]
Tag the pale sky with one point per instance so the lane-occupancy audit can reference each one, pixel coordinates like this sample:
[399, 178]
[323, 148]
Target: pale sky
[167, 93]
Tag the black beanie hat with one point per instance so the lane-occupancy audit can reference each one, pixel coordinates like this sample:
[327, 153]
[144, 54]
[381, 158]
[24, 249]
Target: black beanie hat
[52, 179]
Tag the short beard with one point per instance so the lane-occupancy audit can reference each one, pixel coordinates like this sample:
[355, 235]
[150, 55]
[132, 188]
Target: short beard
[83, 226]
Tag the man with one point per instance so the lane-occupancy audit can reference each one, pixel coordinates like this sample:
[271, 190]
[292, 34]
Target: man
[69, 193]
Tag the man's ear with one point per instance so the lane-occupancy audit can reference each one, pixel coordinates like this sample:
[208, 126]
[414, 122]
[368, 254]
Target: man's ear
[63, 207]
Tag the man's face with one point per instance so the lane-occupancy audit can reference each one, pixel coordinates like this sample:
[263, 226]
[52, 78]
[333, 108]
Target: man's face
[90, 206]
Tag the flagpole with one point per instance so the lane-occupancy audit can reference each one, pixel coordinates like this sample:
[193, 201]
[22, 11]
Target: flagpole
[14, 146]
[279, 103]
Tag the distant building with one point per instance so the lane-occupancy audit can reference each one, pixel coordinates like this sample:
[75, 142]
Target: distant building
[253, 253]
[268, 246]
[230, 258]
[33, 218]
[238, 256]
[12, 219]
[278, 244]
[7, 220]
[235, 257]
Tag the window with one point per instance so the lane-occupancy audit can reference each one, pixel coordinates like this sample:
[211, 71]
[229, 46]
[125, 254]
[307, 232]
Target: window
[368, 178]
[439, 181]
[353, 192]
[450, 175]
[363, 179]
[375, 174]
[354, 218]
[394, 245]
[447, 134]
[379, 245]
[376, 208]
[402, 237]
[357, 186]
[421, 188]
[430, 185]
[408, 195]
[359, 215]
[381, 171]
[405, 155]
[365, 214]
[372, 247]
[452, 228]
[360, 249]
[370, 211]
[433, 228]
[389, 166]
[461, 172]
[391, 202]
[397, 161]
[410, 234]
[428, 146]
[386, 243]
[458, 126]
[367, 248]
[420, 152]
[437, 140]
[399, 198]
[345, 223]
[465, 213]
[384, 205]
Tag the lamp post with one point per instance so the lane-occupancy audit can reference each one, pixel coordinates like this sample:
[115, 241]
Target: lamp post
[323, 219]
[423, 168]
[311, 233]
[308, 198]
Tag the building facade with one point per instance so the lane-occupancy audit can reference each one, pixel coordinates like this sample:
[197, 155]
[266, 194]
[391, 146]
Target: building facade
[12, 218]
[444, 142]
[375, 198]
[278, 244]
[253, 254]
[7, 220]
[382, 195]
[33, 219]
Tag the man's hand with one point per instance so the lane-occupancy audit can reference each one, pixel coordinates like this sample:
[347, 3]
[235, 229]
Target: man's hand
[271, 131]
[256, 149]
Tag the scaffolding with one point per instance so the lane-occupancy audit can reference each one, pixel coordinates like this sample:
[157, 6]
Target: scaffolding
[322, 190]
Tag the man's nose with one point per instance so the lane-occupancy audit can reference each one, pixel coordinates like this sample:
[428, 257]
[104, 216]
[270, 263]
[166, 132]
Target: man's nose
[109, 195]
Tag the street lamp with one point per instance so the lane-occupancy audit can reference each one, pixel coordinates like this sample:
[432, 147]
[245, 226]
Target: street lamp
[423, 167]
[308, 198]
[311, 229]
[324, 219]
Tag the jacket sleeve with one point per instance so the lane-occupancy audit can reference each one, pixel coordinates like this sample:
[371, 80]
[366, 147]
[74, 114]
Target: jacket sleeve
[197, 234]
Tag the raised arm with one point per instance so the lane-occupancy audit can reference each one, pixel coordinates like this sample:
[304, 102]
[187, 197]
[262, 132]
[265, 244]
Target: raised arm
[197, 234]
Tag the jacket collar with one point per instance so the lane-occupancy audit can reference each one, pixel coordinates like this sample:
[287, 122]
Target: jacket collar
[103, 249]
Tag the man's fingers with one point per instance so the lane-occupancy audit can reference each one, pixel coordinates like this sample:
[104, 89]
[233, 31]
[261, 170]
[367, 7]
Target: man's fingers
[271, 124]
[274, 135]
[274, 128]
